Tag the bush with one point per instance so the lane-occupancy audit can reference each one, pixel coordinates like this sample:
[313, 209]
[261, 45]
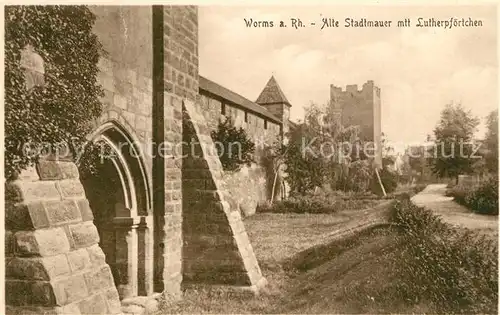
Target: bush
[317, 204]
[233, 146]
[484, 199]
[481, 198]
[356, 178]
[389, 180]
[455, 270]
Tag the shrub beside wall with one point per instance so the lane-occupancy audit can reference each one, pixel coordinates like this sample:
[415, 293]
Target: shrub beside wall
[234, 147]
[455, 270]
[322, 203]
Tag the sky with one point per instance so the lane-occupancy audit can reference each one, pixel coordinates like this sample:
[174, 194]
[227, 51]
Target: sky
[419, 70]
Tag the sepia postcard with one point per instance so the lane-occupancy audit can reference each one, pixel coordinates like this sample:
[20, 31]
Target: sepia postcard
[188, 158]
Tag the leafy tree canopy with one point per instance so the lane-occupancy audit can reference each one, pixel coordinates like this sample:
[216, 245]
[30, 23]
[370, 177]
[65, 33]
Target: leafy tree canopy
[453, 150]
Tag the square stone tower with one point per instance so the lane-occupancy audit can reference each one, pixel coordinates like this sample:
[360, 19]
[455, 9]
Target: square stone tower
[360, 108]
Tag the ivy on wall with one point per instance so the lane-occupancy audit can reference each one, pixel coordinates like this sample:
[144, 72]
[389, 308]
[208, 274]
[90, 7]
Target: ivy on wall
[62, 109]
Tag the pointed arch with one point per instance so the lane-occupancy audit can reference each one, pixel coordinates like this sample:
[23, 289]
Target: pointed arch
[129, 161]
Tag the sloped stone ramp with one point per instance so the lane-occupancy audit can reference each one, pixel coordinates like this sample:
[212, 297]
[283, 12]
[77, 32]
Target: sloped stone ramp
[217, 250]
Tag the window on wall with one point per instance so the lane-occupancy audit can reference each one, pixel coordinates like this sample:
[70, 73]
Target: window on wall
[265, 124]
[223, 109]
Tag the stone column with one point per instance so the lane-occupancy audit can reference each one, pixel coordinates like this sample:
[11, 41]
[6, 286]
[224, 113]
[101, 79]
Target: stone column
[53, 262]
[126, 255]
[145, 252]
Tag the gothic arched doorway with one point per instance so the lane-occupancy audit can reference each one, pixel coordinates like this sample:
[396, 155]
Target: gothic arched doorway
[118, 195]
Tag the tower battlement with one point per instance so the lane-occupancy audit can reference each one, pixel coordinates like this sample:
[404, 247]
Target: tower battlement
[368, 86]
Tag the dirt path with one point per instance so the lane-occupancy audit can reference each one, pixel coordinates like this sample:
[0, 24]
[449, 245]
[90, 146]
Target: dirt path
[433, 197]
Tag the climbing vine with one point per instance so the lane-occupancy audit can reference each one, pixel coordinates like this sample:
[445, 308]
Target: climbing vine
[61, 111]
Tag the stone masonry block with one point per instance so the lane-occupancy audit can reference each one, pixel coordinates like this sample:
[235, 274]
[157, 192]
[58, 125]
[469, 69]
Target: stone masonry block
[100, 279]
[56, 266]
[31, 191]
[49, 170]
[71, 188]
[84, 234]
[65, 211]
[25, 216]
[79, 260]
[46, 242]
[36, 310]
[113, 301]
[96, 255]
[26, 269]
[69, 290]
[85, 211]
[94, 305]
[69, 170]
[72, 309]
[24, 293]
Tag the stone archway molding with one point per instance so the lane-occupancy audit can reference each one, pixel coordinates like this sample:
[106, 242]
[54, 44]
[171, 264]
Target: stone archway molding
[134, 228]
[128, 138]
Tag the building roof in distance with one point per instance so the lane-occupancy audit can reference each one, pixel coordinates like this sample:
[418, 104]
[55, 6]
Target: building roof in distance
[235, 99]
[272, 94]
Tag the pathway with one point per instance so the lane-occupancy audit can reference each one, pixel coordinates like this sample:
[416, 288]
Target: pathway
[433, 197]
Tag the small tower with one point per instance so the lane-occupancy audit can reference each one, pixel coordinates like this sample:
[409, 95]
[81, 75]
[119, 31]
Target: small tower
[275, 101]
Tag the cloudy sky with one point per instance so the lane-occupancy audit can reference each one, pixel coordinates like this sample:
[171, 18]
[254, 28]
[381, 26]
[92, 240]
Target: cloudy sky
[418, 69]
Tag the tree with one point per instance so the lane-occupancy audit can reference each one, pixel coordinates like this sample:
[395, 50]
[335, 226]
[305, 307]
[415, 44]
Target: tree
[452, 151]
[60, 111]
[234, 147]
[491, 142]
[316, 148]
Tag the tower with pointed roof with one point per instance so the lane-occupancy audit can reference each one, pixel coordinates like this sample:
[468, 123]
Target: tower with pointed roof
[274, 100]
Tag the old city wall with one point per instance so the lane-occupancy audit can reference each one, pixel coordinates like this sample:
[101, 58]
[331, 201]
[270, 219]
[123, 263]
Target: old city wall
[53, 259]
[250, 185]
[126, 77]
[126, 70]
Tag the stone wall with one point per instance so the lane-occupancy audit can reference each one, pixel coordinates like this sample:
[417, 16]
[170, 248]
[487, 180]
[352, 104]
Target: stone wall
[52, 259]
[175, 73]
[126, 70]
[126, 77]
[262, 131]
[251, 185]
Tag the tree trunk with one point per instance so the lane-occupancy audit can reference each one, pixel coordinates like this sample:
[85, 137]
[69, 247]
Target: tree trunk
[274, 186]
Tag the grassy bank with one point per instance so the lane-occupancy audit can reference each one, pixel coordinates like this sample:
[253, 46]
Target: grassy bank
[417, 265]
